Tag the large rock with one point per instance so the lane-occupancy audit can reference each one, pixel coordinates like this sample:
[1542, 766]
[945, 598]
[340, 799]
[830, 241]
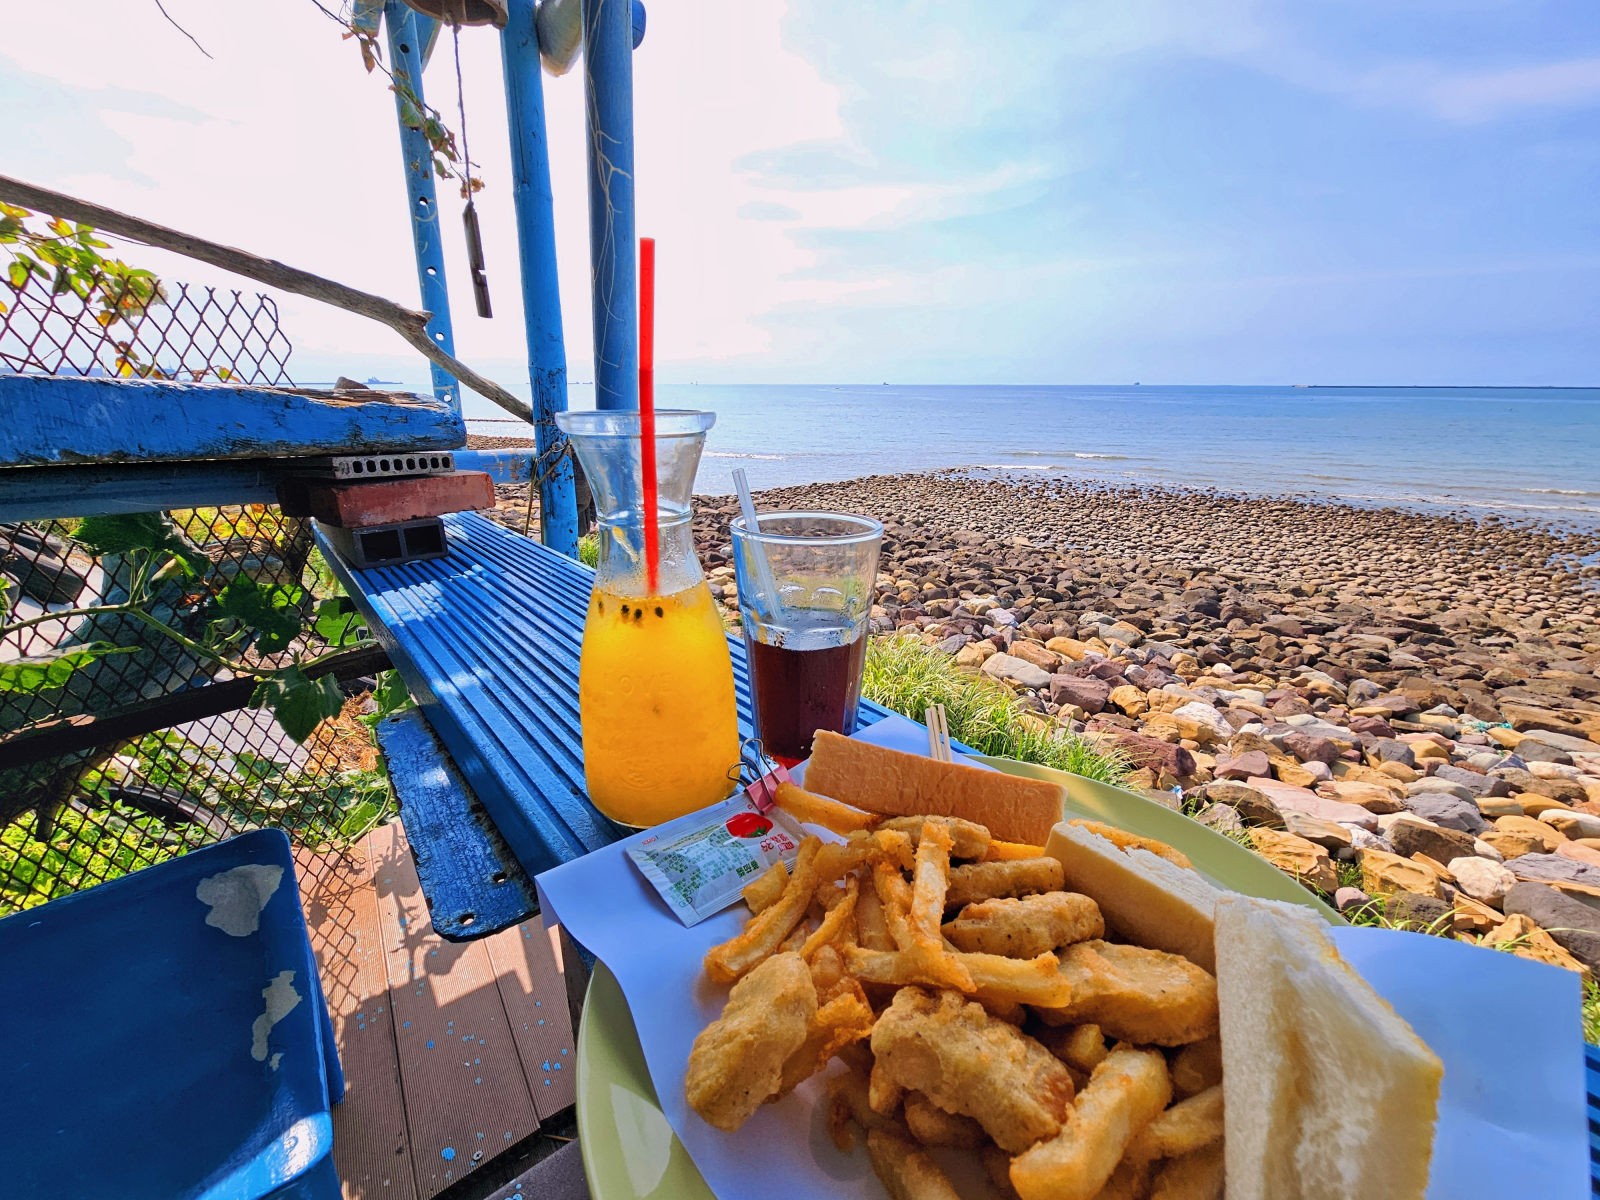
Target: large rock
[1308, 747]
[1523, 938]
[1036, 654]
[1553, 909]
[1449, 811]
[1154, 753]
[1481, 879]
[1242, 766]
[1287, 798]
[1411, 836]
[1067, 647]
[1129, 699]
[1429, 786]
[1008, 668]
[1545, 838]
[1252, 806]
[1572, 824]
[1555, 869]
[1391, 750]
[1326, 834]
[975, 654]
[1295, 856]
[1201, 722]
[1369, 796]
[1088, 693]
[1385, 874]
[1417, 912]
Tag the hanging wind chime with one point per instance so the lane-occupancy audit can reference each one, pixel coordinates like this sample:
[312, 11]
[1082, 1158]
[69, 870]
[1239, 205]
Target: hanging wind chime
[469, 216]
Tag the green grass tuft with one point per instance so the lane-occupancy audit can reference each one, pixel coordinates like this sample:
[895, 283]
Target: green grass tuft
[589, 549]
[907, 676]
[1591, 1013]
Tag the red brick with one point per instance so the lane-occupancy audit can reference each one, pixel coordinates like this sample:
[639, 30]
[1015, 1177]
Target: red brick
[386, 501]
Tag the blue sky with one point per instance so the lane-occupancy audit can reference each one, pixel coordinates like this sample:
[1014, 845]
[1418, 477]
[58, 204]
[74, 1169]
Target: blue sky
[1289, 191]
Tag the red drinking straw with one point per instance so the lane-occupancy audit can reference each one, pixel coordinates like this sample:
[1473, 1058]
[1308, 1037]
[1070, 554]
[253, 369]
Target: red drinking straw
[647, 408]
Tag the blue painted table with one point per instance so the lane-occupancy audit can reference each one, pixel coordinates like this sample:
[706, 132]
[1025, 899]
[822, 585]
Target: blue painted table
[487, 639]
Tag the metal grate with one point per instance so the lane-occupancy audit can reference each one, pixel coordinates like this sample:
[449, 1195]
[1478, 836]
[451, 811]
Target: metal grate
[196, 333]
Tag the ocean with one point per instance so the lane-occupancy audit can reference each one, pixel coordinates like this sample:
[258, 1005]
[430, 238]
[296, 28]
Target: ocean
[1523, 453]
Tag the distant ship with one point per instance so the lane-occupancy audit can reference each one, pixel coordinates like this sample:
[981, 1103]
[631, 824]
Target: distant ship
[374, 381]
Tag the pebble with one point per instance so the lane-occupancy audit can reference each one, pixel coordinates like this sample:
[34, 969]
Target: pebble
[1481, 879]
[1452, 812]
[1009, 669]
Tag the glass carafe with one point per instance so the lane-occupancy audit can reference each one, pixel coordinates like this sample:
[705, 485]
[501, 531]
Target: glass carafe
[655, 682]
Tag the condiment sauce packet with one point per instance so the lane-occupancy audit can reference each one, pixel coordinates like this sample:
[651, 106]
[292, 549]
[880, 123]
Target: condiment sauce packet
[700, 862]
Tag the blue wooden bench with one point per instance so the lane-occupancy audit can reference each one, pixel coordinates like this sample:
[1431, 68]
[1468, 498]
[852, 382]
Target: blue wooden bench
[487, 639]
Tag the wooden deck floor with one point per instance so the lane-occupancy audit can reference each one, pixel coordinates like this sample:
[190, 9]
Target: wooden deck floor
[453, 1053]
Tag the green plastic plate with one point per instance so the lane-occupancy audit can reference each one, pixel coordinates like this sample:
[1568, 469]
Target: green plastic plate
[629, 1150]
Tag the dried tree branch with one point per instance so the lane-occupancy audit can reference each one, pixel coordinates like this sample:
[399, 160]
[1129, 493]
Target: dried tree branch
[408, 323]
[171, 21]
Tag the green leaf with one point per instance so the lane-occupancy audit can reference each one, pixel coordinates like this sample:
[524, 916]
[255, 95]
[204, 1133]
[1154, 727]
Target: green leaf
[124, 532]
[298, 702]
[391, 695]
[338, 623]
[17, 273]
[43, 672]
[272, 611]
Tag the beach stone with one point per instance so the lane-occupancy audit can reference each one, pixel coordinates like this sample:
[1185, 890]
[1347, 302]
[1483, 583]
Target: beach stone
[1569, 743]
[1499, 806]
[1252, 806]
[1538, 750]
[1437, 787]
[1201, 722]
[1009, 669]
[1242, 766]
[1448, 811]
[1472, 916]
[1296, 857]
[1362, 839]
[1389, 749]
[1523, 938]
[975, 654]
[1327, 834]
[1286, 798]
[1483, 850]
[1579, 853]
[1410, 836]
[1513, 845]
[1308, 747]
[1369, 796]
[1574, 925]
[1535, 805]
[1547, 837]
[1417, 912]
[1481, 879]
[1224, 818]
[1399, 772]
[1066, 647]
[1089, 694]
[1384, 874]
[1121, 631]
[1555, 869]
[1154, 753]
[1036, 654]
[1572, 824]
[1476, 783]
[1348, 898]
[1129, 699]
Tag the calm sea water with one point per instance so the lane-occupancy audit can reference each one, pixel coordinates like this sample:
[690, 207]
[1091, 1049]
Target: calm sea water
[1529, 453]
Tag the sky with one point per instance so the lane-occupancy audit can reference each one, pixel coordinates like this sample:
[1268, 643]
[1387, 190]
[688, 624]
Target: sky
[1079, 191]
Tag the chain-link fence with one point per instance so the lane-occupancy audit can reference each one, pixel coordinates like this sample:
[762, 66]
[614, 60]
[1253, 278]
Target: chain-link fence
[127, 674]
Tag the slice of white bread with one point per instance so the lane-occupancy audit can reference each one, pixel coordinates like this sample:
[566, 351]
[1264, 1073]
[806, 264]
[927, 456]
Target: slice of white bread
[1330, 1095]
[908, 785]
[1145, 899]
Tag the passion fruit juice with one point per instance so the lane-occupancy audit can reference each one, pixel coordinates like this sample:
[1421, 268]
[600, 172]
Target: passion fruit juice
[655, 693]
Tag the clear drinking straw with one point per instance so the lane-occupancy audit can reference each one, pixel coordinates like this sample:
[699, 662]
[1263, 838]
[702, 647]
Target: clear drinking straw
[758, 552]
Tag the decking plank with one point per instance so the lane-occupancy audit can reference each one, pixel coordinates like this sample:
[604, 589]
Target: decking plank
[466, 1095]
[529, 974]
[371, 1144]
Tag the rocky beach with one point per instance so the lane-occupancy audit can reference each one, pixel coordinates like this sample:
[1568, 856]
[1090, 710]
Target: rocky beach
[1393, 707]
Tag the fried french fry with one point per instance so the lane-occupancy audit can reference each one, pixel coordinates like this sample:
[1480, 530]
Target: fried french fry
[812, 809]
[844, 1019]
[999, 851]
[1197, 1067]
[838, 859]
[1080, 1046]
[763, 891]
[989, 880]
[1185, 1127]
[919, 959]
[932, 1126]
[766, 931]
[1036, 980]
[1136, 995]
[871, 931]
[827, 972]
[968, 839]
[837, 919]
[905, 1169]
[849, 1101]
[931, 968]
[931, 879]
[1198, 1175]
[1129, 841]
[1028, 926]
[1125, 1094]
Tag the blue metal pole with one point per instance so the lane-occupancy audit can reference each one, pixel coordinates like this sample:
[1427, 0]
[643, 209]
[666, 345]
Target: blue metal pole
[407, 31]
[608, 81]
[536, 251]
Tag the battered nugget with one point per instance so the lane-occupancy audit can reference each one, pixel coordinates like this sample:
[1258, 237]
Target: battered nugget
[968, 1062]
[737, 1061]
[1015, 877]
[1136, 995]
[1027, 927]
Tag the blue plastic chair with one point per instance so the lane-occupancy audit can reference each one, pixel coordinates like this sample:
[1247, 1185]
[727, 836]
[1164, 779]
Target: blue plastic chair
[165, 1035]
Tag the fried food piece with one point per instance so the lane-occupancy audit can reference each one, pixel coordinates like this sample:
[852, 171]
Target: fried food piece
[1198, 1175]
[871, 930]
[995, 981]
[1026, 927]
[989, 880]
[968, 839]
[930, 881]
[1128, 841]
[1082, 1047]
[968, 1062]
[883, 1093]
[838, 859]
[932, 1126]
[1011, 851]
[848, 1101]
[765, 931]
[1187, 1126]
[836, 921]
[1197, 1067]
[842, 1020]
[737, 1062]
[923, 959]
[763, 891]
[906, 1171]
[1136, 995]
[1125, 1094]
[1130, 1181]
[812, 809]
